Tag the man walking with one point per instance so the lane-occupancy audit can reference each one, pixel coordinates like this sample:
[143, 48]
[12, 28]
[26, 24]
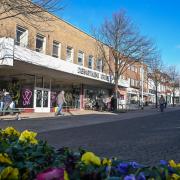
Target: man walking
[60, 101]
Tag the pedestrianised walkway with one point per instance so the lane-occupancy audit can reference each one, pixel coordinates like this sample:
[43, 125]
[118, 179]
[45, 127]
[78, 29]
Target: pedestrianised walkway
[47, 122]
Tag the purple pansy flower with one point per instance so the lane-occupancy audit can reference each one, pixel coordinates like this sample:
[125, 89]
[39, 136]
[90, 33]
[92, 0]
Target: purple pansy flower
[135, 165]
[163, 162]
[141, 176]
[130, 177]
[51, 174]
[123, 168]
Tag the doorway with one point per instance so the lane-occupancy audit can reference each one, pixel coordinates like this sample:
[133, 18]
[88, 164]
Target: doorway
[42, 100]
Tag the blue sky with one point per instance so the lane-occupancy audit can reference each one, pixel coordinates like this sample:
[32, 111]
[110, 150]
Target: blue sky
[158, 19]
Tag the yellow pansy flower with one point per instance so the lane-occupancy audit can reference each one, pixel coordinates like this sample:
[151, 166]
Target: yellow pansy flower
[9, 173]
[178, 165]
[66, 177]
[28, 136]
[5, 159]
[90, 158]
[10, 131]
[107, 162]
[175, 177]
[172, 164]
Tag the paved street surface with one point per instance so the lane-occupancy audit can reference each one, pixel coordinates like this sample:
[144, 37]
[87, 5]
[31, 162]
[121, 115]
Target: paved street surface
[143, 136]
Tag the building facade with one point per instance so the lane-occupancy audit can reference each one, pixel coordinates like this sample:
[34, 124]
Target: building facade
[35, 64]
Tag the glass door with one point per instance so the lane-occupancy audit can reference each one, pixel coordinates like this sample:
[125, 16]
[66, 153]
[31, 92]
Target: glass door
[41, 100]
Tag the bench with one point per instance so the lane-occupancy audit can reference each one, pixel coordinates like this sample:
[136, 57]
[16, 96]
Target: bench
[16, 111]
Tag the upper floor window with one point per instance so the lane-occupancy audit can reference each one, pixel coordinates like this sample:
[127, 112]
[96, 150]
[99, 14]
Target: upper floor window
[90, 62]
[132, 82]
[132, 68]
[136, 69]
[123, 77]
[136, 83]
[69, 54]
[40, 43]
[140, 83]
[80, 58]
[99, 65]
[21, 36]
[56, 49]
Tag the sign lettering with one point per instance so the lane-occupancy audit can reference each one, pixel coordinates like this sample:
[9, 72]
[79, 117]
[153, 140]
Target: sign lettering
[93, 74]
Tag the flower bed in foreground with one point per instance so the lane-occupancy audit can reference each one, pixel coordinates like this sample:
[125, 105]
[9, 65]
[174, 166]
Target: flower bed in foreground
[22, 156]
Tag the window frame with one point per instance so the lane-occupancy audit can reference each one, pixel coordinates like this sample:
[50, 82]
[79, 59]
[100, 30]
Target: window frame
[59, 49]
[101, 68]
[72, 54]
[92, 59]
[27, 36]
[82, 53]
[43, 50]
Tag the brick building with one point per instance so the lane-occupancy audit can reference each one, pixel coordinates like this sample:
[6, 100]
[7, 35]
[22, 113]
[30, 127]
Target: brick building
[36, 63]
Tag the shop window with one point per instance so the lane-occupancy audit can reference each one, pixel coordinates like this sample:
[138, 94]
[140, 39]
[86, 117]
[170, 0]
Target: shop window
[21, 36]
[80, 58]
[99, 65]
[56, 49]
[69, 54]
[90, 62]
[40, 43]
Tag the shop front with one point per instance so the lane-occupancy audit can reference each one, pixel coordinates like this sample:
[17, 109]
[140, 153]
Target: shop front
[133, 96]
[96, 96]
[34, 79]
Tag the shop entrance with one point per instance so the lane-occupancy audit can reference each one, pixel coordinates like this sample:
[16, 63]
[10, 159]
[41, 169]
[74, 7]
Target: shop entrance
[41, 100]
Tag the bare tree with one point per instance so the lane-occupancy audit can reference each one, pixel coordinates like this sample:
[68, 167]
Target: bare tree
[35, 11]
[173, 74]
[126, 44]
[156, 73]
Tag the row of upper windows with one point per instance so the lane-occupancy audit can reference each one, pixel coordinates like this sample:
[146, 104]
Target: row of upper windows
[130, 67]
[133, 68]
[135, 83]
[22, 40]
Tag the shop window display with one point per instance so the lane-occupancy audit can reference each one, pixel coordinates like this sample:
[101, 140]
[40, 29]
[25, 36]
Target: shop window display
[20, 89]
[96, 99]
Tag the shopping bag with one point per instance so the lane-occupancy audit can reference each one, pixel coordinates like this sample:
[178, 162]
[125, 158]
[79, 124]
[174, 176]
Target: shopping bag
[56, 109]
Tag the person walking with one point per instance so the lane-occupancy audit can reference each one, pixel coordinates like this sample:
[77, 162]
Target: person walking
[1, 100]
[162, 103]
[7, 101]
[60, 101]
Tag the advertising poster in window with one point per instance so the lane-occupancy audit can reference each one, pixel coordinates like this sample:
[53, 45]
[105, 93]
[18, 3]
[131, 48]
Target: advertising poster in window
[26, 98]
